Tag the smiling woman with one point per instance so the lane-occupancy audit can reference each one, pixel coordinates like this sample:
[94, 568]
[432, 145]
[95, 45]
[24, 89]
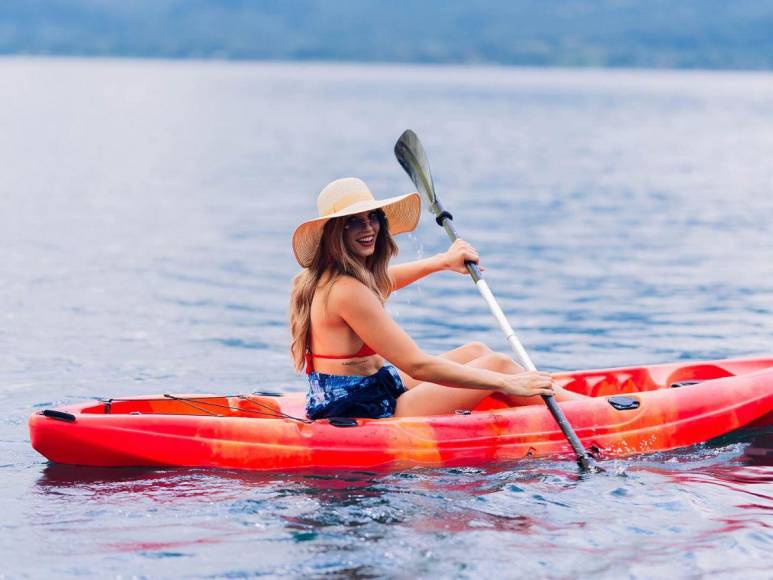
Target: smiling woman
[361, 231]
[337, 307]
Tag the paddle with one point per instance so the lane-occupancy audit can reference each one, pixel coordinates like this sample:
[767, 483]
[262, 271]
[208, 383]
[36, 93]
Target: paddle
[411, 155]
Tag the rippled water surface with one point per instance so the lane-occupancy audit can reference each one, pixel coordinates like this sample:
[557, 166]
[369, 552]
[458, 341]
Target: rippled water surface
[145, 215]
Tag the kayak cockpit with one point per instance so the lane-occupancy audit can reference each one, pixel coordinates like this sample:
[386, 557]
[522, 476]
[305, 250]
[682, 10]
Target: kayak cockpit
[611, 382]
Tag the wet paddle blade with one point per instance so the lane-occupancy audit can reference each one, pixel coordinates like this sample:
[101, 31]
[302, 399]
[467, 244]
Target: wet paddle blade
[410, 154]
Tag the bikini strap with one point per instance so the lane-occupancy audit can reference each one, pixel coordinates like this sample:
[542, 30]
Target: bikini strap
[365, 350]
[309, 357]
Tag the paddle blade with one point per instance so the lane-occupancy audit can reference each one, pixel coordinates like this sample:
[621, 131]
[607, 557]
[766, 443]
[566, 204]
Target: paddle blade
[410, 154]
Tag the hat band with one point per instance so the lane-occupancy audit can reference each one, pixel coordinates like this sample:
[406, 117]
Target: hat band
[345, 201]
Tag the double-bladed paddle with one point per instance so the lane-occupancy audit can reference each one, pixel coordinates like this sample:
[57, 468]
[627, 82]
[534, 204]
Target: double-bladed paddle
[411, 155]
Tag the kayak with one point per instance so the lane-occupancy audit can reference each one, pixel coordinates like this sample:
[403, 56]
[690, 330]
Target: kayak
[628, 411]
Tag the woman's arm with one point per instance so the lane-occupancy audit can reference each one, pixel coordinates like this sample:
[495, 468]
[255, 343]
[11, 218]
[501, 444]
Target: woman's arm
[359, 307]
[453, 259]
[408, 273]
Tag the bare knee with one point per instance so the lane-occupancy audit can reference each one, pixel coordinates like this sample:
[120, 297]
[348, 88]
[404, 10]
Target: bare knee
[477, 349]
[500, 362]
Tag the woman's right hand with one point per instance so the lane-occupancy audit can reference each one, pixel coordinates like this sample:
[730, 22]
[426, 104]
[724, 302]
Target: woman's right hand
[529, 384]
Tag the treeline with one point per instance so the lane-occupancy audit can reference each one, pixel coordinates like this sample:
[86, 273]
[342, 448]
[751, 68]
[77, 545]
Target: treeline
[731, 34]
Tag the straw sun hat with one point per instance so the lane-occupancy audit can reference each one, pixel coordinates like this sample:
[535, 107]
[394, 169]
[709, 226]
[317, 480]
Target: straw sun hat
[349, 196]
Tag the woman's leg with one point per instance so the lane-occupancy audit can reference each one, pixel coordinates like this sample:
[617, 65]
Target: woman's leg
[434, 399]
[461, 355]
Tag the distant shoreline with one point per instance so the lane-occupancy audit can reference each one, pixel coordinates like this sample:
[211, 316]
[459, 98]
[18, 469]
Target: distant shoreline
[605, 34]
[428, 66]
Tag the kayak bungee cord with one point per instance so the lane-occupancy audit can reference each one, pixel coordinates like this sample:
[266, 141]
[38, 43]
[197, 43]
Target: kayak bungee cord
[189, 402]
[270, 413]
[411, 155]
[194, 402]
[278, 414]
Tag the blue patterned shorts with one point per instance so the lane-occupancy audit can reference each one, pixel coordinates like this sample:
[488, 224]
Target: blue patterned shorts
[373, 396]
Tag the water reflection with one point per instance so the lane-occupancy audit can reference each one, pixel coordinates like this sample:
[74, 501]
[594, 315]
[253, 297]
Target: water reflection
[676, 503]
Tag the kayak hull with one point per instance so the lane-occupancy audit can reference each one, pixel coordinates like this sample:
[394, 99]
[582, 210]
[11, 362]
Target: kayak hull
[664, 412]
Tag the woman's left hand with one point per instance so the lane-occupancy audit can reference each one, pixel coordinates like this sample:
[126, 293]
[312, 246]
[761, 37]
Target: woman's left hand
[459, 253]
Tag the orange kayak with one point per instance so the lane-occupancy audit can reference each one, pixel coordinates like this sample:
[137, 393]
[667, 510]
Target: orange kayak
[628, 411]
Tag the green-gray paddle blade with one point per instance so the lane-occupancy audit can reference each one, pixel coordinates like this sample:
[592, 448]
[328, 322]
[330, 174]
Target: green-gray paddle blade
[411, 155]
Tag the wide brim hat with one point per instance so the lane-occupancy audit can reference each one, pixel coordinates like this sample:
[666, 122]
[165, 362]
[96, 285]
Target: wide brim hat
[349, 196]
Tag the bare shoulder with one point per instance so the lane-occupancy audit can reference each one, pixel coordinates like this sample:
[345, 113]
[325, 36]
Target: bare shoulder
[348, 289]
[346, 286]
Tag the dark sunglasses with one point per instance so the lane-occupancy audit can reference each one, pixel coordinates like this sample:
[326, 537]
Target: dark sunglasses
[357, 224]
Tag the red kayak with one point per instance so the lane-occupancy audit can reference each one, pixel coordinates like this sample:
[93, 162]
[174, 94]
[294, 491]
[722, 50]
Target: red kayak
[628, 411]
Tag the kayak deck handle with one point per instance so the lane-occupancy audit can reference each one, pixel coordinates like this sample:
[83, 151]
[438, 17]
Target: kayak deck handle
[59, 415]
[621, 403]
[678, 384]
[342, 422]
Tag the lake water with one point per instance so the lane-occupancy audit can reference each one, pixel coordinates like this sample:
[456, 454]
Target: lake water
[145, 215]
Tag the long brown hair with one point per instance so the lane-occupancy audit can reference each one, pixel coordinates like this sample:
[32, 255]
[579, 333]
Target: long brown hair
[334, 258]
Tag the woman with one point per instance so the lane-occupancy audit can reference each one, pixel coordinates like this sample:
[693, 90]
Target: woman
[337, 307]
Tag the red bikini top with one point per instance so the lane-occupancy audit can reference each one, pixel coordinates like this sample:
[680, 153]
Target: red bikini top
[365, 350]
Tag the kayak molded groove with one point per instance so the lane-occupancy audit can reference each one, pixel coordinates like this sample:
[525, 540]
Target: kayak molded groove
[246, 431]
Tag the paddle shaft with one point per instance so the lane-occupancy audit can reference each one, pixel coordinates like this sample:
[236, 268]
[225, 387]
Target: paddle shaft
[411, 155]
[445, 219]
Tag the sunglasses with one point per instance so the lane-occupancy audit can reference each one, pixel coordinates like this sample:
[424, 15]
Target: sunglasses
[357, 224]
